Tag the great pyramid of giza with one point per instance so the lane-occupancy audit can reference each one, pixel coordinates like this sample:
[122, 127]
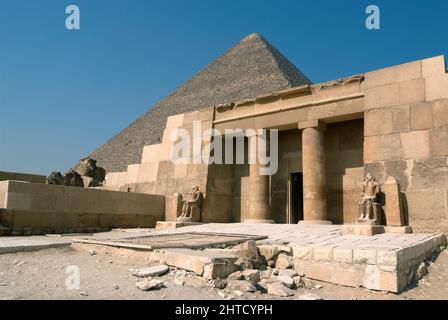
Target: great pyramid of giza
[251, 68]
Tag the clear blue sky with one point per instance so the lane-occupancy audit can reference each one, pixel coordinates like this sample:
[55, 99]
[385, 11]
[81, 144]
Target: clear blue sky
[64, 93]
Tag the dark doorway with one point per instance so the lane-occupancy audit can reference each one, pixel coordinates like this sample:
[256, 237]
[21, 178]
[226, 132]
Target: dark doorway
[296, 198]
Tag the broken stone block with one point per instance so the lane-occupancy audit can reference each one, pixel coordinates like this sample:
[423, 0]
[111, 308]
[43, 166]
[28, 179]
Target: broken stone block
[286, 281]
[279, 290]
[247, 252]
[219, 270]
[149, 284]
[241, 285]
[421, 271]
[284, 261]
[150, 271]
[269, 252]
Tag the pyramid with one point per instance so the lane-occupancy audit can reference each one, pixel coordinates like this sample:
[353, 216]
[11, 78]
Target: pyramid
[251, 68]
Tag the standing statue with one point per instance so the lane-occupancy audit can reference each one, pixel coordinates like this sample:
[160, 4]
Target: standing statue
[369, 208]
[190, 202]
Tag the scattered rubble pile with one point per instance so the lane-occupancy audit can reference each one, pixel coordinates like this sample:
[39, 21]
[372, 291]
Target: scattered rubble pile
[266, 269]
[86, 174]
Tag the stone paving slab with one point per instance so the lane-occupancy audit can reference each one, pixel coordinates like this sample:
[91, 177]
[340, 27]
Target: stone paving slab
[19, 244]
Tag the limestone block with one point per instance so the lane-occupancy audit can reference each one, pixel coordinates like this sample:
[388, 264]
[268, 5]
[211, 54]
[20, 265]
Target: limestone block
[379, 78]
[319, 271]
[384, 96]
[376, 279]
[415, 144]
[426, 204]
[433, 67]
[364, 256]
[393, 209]
[387, 258]
[302, 252]
[437, 87]
[348, 275]
[440, 113]
[132, 173]
[381, 148]
[219, 270]
[352, 183]
[421, 116]
[147, 172]
[323, 254]
[412, 91]
[151, 153]
[438, 140]
[343, 255]
[386, 120]
[408, 71]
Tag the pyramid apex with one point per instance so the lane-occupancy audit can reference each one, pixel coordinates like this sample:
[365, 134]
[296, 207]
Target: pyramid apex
[252, 37]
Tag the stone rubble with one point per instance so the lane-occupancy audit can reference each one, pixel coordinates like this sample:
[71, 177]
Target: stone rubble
[149, 284]
[150, 271]
[279, 290]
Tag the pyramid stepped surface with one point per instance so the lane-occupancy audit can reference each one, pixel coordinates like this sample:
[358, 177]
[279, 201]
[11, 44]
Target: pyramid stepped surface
[251, 68]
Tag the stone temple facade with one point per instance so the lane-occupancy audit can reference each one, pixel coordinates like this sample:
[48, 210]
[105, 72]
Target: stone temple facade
[392, 123]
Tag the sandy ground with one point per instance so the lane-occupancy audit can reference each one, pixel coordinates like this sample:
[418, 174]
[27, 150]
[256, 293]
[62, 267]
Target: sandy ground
[42, 275]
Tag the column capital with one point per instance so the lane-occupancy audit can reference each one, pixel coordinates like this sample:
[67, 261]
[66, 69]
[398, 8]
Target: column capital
[312, 124]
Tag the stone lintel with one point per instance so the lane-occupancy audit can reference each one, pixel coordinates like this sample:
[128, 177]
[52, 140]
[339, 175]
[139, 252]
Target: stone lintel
[312, 124]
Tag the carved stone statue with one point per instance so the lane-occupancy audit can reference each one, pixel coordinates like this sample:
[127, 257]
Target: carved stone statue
[191, 204]
[369, 208]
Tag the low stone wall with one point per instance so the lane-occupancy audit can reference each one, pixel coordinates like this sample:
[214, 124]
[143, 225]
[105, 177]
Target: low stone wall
[29, 208]
[22, 177]
[376, 268]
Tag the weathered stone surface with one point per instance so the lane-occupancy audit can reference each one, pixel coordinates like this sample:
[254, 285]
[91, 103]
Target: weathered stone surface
[287, 281]
[220, 283]
[241, 285]
[253, 276]
[269, 252]
[421, 116]
[440, 113]
[422, 271]
[310, 296]
[219, 270]
[279, 290]
[150, 271]
[247, 251]
[149, 284]
[87, 168]
[284, 261]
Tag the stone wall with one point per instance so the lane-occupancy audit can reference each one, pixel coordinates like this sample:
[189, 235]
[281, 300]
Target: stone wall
[50, 207]
[406, 134]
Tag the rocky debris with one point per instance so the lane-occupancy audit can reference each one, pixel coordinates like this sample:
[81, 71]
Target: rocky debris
[92, 175]
[279, 290]
[309, 296]
[73, 179]
[219, 270]
[288, 272]
[92, 252]
[86, 174]
[286, 281]
[247, 254]
[220, 283]
[150, 271]
[269, 252]
[55, 178]
[149, 284]
[422, 271]
[84, 293]
[318, 286]
[241, 285]
[284, 261]
[253, 276]
[116, 287]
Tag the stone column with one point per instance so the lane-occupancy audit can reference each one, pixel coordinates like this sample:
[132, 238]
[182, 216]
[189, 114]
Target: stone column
[313, 166]
[259, 206]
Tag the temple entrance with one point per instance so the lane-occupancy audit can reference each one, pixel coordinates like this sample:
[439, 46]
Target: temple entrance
[295, 198]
